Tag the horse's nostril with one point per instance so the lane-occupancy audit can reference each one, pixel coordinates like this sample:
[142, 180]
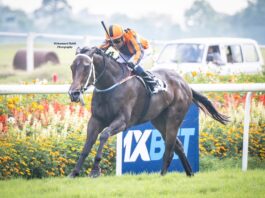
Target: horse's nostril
[74, 96]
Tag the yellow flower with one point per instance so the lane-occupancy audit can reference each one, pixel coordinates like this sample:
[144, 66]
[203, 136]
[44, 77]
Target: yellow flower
[61, 171]
[194, 73]
[15, 99]
[11, 106]
[209, 74]
[34, 105]
[73, 149]
[40, 107]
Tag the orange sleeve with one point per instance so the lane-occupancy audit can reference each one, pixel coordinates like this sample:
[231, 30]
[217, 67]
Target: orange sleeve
[134, 47]
[137, 49]
[105, 45]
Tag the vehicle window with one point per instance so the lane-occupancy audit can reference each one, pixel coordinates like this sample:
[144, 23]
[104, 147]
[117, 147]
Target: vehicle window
[182, 53]
[213, 55]
[234, 54]
[250, 53]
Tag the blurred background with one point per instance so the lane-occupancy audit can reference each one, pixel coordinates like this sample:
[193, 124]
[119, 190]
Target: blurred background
[162, 20]
[53, 29]
[52, 20]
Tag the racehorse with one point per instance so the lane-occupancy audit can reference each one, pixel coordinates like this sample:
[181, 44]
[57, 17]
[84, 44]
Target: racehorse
[120, 101]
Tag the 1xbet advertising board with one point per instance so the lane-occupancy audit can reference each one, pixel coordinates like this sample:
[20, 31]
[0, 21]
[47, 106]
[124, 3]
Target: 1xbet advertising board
[141, 148]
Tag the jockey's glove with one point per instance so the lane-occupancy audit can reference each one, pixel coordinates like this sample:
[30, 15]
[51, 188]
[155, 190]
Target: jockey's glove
[131, 65]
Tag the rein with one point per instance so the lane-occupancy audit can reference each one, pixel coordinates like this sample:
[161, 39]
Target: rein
[115, 85]
[102, 73]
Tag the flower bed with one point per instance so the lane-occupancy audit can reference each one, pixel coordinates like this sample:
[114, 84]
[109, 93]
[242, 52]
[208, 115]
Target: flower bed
[42, 136]
[227, 140]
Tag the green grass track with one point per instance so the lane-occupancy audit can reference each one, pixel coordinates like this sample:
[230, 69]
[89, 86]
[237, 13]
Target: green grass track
[222, 183]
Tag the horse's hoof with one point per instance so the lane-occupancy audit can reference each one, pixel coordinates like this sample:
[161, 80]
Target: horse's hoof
[163, 173]
[73, 175]
[95, 173]
[190, 174]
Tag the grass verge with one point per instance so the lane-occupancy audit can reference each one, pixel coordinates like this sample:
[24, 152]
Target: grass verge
[221, 183]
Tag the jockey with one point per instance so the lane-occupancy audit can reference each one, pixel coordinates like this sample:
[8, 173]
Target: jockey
[133, 49]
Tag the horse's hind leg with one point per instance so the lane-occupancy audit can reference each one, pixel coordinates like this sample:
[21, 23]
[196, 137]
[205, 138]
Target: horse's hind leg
[169, 153]
[180, 152]
[174, 144]
[168, 128]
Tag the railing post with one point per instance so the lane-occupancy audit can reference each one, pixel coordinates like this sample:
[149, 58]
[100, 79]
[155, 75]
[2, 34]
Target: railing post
[246, 132]
[30, 52]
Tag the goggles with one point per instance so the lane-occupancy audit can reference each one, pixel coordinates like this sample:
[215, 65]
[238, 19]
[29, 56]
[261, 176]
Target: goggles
[117, 41]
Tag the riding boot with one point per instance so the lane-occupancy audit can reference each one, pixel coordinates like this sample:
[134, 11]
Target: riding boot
[149, 79]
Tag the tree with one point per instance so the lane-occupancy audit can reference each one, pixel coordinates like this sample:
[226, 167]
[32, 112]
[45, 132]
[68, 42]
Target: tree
[254, 14]
[250, 21]
[14, 20]
[54, 16]
[203, 20]
[53, 8]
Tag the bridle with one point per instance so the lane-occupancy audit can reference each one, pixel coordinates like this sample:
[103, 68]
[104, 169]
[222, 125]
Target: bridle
[92, 72]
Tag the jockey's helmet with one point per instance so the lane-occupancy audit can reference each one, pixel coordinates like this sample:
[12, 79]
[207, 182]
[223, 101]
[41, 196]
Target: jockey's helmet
[115, 32]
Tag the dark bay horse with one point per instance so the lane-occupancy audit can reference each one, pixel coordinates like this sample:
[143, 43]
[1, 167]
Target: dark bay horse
[119, 100]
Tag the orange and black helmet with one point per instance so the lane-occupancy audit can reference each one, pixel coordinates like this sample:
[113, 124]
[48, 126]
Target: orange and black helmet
[115, 32]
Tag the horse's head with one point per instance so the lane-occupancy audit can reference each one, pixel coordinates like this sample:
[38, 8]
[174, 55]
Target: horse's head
[83, 73]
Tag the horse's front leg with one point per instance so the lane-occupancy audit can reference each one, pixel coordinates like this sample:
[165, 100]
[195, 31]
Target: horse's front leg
[93, 128]
[116, 126]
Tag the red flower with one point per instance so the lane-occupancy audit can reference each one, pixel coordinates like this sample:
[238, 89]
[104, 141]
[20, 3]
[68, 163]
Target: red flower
[3, 123]
[71, 108]
[81, 112]
[262, 99]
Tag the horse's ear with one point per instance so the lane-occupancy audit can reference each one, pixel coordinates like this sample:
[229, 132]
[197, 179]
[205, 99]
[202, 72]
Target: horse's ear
[96, 50]
[78, 50]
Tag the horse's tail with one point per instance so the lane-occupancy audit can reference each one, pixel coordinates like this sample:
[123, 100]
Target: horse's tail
[207, 107]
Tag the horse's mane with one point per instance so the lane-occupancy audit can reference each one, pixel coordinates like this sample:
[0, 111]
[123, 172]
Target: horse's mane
[98, 51]
[108, 56]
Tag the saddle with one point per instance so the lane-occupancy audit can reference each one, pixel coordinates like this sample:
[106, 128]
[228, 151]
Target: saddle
[153, 83]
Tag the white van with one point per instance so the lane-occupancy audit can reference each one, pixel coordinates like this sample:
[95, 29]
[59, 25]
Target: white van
[218, 55]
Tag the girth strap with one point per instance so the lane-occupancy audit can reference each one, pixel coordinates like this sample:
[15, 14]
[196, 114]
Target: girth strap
[146, 101]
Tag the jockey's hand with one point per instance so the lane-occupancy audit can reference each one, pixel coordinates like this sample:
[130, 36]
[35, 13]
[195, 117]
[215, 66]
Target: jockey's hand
[131, 65]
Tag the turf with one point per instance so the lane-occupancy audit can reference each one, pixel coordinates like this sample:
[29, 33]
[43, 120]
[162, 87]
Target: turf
[220, 183]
